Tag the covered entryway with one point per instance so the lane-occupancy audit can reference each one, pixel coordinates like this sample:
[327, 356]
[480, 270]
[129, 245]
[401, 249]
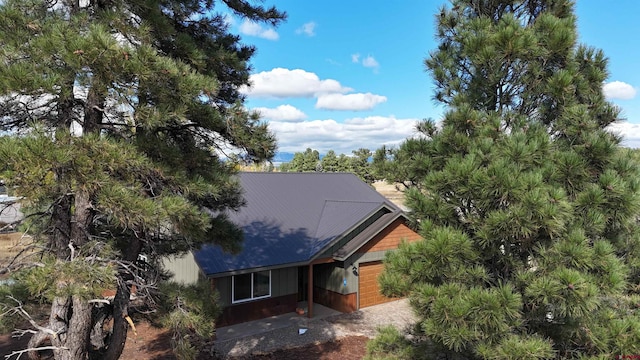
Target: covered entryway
[368, 287]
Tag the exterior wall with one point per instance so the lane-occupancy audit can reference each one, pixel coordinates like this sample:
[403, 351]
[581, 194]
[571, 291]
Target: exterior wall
[358, 258]
[390, 238]
[334, 300]
[223, 287]
[9, 213]
[184, 268]
[339, 285]
[283, 282]
[335, 286]
[373, 252]
[259, 309]
[332, 277]
[283, 299]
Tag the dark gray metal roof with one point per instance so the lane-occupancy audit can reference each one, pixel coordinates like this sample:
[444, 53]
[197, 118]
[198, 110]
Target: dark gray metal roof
[291, 217]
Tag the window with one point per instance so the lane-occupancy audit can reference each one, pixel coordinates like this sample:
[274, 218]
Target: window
[251, 286]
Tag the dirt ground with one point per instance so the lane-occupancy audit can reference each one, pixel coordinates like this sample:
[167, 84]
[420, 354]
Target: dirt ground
[9, 246]
[390, 192]
[350, 347]
[152, 343]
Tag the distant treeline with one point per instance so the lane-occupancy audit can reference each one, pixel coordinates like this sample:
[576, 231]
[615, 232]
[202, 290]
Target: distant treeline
[310, 161]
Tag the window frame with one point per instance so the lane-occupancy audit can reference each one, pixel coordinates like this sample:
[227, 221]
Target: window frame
[252, 298]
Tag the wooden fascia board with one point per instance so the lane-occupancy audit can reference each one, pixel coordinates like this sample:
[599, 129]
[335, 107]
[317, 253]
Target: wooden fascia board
[274, 267]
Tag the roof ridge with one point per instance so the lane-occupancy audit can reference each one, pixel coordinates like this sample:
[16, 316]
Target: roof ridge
[324, 206]
[315, 231]
[310, 249]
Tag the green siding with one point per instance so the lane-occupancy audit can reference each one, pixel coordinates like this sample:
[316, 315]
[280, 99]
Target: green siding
[223, 286]
[332, 277]
[283, 282]
[184, 268]
[358, 258]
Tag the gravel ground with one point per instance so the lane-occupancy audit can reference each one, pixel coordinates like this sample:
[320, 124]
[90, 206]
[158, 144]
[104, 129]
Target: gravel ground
[360, 323]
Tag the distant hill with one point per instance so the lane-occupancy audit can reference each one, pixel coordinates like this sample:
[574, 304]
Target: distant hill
[282, 157]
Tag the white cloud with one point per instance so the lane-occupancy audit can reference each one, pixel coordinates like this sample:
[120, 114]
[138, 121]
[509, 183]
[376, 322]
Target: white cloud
[285, 113]
[307, 29]
[254, 29]
[370, 62]
[629, 131]
[282, 83]
[324, 135]
[619, 90]
[354, 102]
[333, 62]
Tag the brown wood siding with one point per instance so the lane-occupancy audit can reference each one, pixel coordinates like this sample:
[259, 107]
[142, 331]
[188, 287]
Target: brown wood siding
[369, 288]
[259, 309]
[334, 300]
[390, 237]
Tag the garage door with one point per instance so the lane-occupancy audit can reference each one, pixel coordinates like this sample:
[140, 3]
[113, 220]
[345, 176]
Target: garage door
[368, 286]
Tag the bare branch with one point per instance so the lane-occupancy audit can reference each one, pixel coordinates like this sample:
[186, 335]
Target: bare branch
[18, 262]
[99, 301]
[22, 332]
[22, 312]
[20, 352]
[73, 250]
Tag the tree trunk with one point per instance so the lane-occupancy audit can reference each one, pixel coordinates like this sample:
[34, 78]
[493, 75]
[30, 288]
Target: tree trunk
[61, 308]
[37, 340]
[77, 337]
[82, 217]
[120, 325]
[70, 320]
[101, 315]
[61, 220]
[121, 305]
[94, 107]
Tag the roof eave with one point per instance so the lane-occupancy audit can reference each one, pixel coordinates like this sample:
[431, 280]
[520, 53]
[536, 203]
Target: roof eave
[265, 268]
[379, 228]
[251, 270]
[384, 205]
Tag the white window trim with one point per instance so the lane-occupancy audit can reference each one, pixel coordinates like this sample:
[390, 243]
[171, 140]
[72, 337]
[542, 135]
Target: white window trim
[233, 290]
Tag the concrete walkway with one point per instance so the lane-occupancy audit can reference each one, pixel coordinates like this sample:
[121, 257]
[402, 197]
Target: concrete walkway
[279, 332]
[256, 327]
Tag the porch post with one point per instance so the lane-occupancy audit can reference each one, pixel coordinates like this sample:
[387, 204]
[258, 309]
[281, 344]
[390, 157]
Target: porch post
[310, 292]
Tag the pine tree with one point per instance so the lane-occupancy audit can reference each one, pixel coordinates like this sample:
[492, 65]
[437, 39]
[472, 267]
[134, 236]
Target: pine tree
[306, 161]
[329, 162]
[118, 115]
[360, 165]
[527, 204]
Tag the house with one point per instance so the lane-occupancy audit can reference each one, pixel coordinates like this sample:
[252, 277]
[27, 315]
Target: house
[313, 237]
[10, 213]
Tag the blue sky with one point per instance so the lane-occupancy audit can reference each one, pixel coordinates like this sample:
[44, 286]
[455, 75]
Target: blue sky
[344, 75]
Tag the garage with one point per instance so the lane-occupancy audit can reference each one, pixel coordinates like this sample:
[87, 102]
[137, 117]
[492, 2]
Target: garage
[368, 287]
